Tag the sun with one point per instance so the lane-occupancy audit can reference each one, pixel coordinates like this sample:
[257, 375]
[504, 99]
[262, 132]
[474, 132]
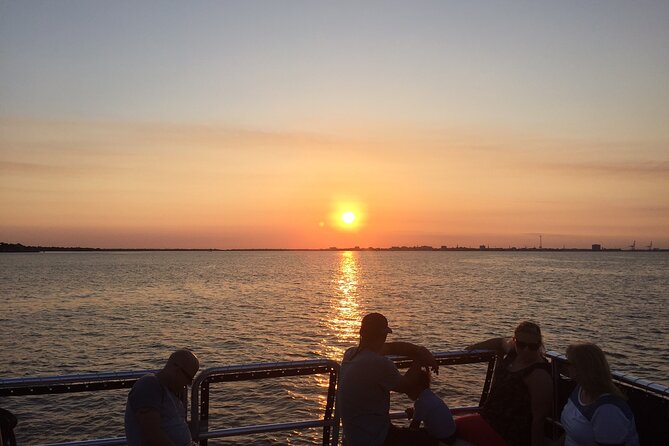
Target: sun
[348, 217]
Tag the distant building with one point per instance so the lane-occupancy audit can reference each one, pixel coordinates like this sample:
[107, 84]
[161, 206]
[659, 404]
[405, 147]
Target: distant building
[482, 247]
[596, 247]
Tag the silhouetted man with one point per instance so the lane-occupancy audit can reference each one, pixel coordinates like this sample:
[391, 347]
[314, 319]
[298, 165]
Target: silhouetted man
[155, 413]
[366, 379]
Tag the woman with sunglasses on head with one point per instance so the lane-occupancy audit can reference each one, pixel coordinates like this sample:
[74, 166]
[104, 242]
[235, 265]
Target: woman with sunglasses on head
[521, 396]
[596, 412]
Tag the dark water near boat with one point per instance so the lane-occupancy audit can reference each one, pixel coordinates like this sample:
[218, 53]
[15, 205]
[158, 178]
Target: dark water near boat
[66, 313]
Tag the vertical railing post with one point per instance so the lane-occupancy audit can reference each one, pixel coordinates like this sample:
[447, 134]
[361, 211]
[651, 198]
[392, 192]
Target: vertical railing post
[488, 379]
[204, 410]
[328, 433]
[555, 372]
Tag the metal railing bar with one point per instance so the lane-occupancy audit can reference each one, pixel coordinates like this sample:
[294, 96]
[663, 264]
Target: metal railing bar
[452, 358]
[264, 374]
[98, 442]
[199, 408]
[264, 428]
[63, 379]
[69, 383]
[66, 388]
[401, 415]
[263, 366]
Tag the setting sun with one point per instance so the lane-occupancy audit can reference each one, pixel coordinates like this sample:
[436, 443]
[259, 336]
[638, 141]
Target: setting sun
[348, 214]
[348, 217]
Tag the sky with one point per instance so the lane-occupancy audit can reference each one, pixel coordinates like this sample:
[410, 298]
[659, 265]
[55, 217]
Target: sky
[258, 124]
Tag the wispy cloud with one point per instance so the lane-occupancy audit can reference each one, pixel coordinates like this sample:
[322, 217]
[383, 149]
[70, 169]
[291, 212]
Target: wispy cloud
[9, 167]
[57, 169]
[642, 168]
[114, 136]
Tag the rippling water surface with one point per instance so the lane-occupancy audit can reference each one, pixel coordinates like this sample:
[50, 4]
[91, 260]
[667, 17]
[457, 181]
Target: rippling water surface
[68, 313]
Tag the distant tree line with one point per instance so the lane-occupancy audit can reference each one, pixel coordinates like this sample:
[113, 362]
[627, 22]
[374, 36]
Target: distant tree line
[18, 247]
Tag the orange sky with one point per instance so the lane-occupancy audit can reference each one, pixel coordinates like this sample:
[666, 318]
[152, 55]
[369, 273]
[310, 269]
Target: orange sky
[157, 185]
[226, 125]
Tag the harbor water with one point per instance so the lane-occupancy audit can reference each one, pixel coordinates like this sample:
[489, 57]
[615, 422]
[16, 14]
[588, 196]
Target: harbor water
[65, 313]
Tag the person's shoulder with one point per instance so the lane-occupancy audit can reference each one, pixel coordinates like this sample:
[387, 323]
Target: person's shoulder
[149, 379]
[538, 378]
[364, 354]
[350, 353]
[507, 359]
[427, 394]
[611, 407]
[612, 421]
[147, 393]
[426, 397]
[539, 370]
[147, 384]
[431, 397]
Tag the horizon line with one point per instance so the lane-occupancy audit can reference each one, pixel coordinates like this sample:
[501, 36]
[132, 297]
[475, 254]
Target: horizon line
[18, 247]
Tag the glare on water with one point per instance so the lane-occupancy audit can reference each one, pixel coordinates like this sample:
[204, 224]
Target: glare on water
[87, 312]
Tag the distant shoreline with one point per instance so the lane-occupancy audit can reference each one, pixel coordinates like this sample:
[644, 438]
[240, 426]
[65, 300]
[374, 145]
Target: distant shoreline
[17, 247]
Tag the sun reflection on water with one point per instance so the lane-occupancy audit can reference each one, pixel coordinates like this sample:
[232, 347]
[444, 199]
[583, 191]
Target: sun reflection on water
[345, 322]
[343, 318]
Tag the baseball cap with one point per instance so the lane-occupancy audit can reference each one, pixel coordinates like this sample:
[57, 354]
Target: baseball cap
[375, 323]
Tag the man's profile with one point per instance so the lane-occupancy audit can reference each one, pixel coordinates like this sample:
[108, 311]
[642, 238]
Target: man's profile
[155, 413]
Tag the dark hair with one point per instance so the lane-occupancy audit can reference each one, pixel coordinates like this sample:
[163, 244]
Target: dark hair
[422, 379]
[529, 328]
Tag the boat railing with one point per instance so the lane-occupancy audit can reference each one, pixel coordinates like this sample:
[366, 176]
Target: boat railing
[200, 396]
[200, 393]
[330, 421]
[645, 397]
[52, 385]
[91, 382]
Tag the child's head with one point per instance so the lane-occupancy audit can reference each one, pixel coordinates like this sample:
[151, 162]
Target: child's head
[419, 379]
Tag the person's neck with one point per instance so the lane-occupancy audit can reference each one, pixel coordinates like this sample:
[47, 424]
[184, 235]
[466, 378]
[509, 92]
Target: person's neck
[586, 397]
[371, 346]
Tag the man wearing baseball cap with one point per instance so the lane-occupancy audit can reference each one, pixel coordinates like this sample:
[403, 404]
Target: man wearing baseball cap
[366, 379]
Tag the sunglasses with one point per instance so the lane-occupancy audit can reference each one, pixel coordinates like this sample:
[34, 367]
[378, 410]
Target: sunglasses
[523, 345]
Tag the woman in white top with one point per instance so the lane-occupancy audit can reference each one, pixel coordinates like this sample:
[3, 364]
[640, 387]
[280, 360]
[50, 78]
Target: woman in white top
[596, 412]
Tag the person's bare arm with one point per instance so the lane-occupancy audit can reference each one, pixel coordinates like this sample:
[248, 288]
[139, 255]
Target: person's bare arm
[540, 385]
[149, 427]
[501, 345]
[419, 354]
